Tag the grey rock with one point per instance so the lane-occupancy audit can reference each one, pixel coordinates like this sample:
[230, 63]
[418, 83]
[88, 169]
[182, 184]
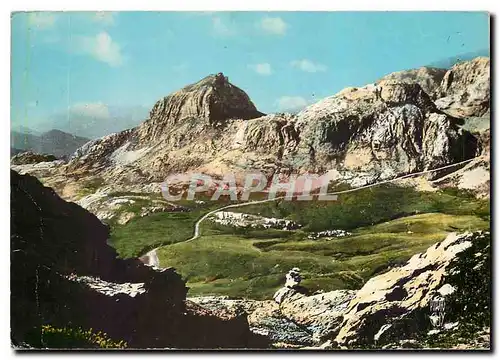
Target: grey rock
[465, 89]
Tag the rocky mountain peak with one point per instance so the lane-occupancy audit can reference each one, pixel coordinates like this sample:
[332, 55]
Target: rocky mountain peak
[212, 100]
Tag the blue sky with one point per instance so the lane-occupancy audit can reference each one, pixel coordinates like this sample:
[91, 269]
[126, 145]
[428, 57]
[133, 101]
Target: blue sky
[74, 66]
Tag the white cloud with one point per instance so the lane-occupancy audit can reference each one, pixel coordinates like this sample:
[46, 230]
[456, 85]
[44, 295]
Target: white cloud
[262, 69]
[291, 103]
[94, 110]
[220, 27]
[104, 17]
[308, 66]
[102, 47]
[273, 25]
[42, 20]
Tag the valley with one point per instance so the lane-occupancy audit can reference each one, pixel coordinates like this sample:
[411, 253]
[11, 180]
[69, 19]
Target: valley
[407, 156]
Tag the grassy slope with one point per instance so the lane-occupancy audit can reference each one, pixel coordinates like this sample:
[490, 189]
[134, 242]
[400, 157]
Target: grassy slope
[389, 224]
[219, 263]
[143, 234]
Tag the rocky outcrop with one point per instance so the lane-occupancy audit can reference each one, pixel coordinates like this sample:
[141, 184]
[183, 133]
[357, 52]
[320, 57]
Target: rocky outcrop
[30, 157]
[379, 132]
[365, 134]
[293, 318]
[397, 304]
[428, 78]
[63, 273]
[212, 100]
[123, 208]
[465, 89]
[475, 176]
[320, 314]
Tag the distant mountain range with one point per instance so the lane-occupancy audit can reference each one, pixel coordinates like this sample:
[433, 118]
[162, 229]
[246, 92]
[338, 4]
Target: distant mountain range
[449, 62]
[55, 142]
[95, 121]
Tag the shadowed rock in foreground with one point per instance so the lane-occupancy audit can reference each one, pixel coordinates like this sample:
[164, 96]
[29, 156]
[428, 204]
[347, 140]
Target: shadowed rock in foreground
[63, 273]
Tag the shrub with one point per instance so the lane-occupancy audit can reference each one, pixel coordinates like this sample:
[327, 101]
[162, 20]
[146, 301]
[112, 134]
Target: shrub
[68, 337]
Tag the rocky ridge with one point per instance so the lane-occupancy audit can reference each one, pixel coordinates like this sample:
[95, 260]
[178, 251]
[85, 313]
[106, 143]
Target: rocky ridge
[465, 89]
[365, 134]
[56, 142]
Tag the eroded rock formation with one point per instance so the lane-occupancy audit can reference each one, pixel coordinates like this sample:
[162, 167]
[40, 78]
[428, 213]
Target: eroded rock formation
[402, 124]
[63, 273]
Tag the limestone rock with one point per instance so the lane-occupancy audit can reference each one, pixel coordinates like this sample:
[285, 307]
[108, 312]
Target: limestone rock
[428, 78]
[395, 304]
[465, 89]
[321, 314]
[365, 134]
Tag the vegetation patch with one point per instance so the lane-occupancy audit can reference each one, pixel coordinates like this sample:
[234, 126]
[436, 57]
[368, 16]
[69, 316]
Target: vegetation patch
[389, 224]
[52, 337]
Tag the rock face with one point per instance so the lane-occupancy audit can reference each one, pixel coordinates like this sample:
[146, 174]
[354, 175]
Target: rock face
[298, 320]
[320, 314]
[63, 273]
[382, 131]
[30, 157]
[213, 100]
[395, 305]
[428, 78]
[465, 89]
[364, 135]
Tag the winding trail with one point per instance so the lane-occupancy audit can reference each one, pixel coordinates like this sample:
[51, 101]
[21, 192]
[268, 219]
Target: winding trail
[152, 257]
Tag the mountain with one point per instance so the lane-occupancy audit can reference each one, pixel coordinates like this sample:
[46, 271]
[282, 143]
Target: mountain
[53, 142]
[374, 132]
[95, 120]
[359, 135]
